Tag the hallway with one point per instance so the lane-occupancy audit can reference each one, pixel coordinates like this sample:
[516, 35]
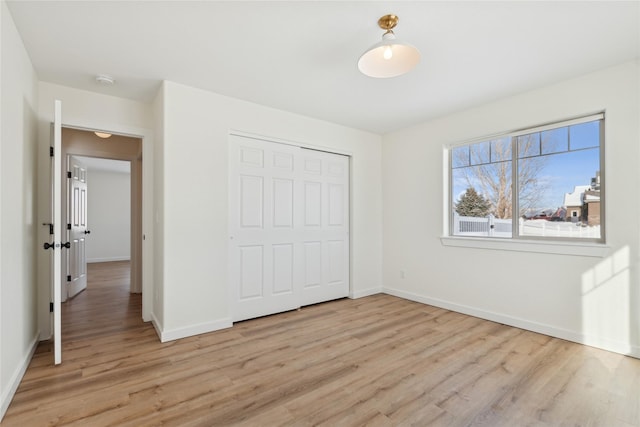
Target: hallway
[105, 308]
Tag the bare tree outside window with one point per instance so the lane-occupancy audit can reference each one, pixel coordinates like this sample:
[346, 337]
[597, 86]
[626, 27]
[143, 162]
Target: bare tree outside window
[488, 170]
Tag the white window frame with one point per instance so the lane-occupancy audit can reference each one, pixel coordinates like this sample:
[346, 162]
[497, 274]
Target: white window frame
[550, 245]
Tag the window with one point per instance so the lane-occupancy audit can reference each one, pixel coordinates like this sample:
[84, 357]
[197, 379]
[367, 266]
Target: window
[540, 183]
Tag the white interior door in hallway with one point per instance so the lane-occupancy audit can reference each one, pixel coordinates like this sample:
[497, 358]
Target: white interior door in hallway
[76, 227]
[289, 227]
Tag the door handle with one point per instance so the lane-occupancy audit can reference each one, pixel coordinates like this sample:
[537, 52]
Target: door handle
[47, 245]
[87, 231]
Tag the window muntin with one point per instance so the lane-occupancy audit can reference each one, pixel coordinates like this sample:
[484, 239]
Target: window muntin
[556, 182]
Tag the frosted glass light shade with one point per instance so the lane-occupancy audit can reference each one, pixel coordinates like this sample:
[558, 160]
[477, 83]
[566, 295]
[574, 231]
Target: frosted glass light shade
[374, 63]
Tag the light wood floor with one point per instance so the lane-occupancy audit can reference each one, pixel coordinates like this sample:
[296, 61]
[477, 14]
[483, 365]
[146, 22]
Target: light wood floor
[379, 361]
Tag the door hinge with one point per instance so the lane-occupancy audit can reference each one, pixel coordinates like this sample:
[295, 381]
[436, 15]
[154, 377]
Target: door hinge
[68, 226]
[50, 307]
[50, 151]
[50, 227]
[69, 174]
[68, 278]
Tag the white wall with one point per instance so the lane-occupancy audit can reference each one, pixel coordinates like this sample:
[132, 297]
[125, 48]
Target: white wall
[88, 110]
[194, 213]
[109, 216]
[18, 221]
[584, 299]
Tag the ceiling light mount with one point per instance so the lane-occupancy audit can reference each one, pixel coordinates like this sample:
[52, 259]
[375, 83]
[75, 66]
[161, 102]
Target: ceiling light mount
[103, 135]
[105, 80]
[389, 57]
[388, 22]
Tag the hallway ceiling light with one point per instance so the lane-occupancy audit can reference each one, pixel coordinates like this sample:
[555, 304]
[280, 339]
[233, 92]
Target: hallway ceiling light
[103, 134]
[389, 57]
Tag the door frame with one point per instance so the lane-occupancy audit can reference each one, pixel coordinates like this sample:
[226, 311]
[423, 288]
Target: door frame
[85, 149]
[141, 180]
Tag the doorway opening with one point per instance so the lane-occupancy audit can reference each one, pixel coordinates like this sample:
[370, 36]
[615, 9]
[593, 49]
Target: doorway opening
[105, 224]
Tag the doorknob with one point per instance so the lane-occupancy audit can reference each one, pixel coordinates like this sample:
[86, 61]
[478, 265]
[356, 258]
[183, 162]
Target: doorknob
[87, 231]
[48, 245]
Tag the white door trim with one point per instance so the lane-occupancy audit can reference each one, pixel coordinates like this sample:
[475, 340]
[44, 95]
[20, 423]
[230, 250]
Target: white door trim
[147, 137]
[299, 144]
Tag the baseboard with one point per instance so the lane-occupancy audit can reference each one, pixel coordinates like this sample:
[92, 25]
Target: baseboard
[565, 334]
[364, 293]
[156, 325]
[108, 259]
[14, 382]
[188, 331]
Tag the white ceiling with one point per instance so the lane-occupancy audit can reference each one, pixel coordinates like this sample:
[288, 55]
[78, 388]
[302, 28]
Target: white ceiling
[300, 56]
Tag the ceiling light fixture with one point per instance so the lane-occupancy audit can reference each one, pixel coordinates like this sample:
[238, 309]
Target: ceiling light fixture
[389, 57]
[103, 135]
[105, 80]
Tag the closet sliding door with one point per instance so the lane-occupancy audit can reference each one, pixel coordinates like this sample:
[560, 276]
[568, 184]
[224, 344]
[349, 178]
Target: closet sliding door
[288, 227]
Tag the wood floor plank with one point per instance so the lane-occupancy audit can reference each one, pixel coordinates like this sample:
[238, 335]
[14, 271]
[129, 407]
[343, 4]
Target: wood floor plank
[378, 361]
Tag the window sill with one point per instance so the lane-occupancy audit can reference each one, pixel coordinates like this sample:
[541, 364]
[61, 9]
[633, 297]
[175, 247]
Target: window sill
[555, 248]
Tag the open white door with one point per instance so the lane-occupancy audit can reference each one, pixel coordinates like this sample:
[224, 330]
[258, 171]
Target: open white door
[76, 227]
[56, 220]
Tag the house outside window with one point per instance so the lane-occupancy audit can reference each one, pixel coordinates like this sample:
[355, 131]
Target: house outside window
[538, 183]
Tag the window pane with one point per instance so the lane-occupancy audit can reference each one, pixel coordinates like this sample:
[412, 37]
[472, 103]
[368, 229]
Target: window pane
[556, 196]
[482, 200]
[555, 140]
[584, 135]
[460, 156]
[480, 153]
[501, 149]
[528, 145]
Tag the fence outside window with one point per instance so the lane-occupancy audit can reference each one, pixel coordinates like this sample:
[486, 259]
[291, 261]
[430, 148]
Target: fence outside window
[490, 226]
